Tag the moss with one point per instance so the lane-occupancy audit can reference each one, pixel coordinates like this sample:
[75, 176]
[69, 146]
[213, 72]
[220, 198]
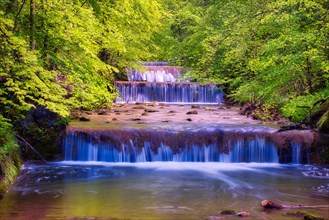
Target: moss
[320, 118]
[323, 123]
[306, 215]
[9, 169]
[43, 130]
[10, 161]
[228, 212]
[296, 214]
[312, 217]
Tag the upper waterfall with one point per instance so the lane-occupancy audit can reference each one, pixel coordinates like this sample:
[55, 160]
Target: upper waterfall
[159, 82]
[155, 72]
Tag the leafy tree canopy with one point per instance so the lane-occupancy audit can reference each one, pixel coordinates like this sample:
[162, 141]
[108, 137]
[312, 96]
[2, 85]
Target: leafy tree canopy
[272, 53]
[66, 54]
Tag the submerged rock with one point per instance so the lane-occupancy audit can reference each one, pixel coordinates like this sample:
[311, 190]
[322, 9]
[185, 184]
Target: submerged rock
[228, 212]
[243, 214]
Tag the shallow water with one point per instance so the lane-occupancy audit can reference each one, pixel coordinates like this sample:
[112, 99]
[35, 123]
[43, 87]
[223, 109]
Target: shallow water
[161, 190]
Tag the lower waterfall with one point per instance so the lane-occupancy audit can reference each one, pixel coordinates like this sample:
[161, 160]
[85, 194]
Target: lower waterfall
[107, 147]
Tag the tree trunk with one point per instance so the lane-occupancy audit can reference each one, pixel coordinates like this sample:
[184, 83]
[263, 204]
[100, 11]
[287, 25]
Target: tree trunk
[309, 74]
[32, 24]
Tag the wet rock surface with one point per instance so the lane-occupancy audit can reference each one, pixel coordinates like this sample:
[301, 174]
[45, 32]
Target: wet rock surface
[159, 113]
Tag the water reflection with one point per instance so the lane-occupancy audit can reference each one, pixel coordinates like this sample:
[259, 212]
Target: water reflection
[159, 190]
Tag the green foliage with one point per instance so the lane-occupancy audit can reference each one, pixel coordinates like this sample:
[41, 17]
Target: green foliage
[24, 83]
[9, 159]
[80, 47]
[268, 52]
[7, 142]
[265, 112]
[323, 123]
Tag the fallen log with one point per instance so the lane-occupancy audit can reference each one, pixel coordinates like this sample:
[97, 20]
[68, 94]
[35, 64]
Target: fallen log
[267, 204]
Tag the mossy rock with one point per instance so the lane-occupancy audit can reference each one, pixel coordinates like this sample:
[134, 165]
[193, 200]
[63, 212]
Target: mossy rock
[44, 130]
[312, 217]
[320, 118]
[306, 215]
[9, 168]
[323, 123]
[228, 212]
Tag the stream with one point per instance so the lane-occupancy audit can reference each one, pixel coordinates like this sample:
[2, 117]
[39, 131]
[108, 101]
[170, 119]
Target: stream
[162, 190]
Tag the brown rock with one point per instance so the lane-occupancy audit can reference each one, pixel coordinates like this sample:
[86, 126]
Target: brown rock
[193, 112]
[195, 106]
[84, 119]
[102, 113]
[228, 212]
[138, 107]
[243, 214]
[151, 110]
[135, 119]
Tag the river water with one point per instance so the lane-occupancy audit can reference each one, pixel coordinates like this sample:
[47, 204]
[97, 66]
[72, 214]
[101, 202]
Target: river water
[162, 190]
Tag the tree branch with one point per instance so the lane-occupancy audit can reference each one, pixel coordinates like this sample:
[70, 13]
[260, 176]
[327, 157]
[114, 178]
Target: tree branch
[83, 3]
[22, 140]
[16, 17]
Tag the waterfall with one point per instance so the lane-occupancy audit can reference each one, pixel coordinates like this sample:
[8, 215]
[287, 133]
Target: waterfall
[296, 150]
[155, 72]
[80, 146]
[159, 83]
[132, 92]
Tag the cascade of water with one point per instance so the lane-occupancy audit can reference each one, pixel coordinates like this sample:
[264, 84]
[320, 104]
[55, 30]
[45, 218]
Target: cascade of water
[169, 93]
[156, 74]
[158, 83]
[81, 147]
[296, 153]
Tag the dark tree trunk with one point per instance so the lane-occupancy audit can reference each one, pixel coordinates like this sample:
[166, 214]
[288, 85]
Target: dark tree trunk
[32, 24]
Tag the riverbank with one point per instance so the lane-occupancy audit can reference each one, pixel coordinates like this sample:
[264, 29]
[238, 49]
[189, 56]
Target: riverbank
[10, 161]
